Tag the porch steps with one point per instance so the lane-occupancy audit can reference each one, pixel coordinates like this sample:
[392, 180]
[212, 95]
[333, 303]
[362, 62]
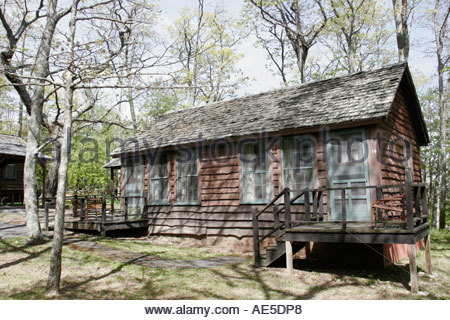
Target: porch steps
[276, 255]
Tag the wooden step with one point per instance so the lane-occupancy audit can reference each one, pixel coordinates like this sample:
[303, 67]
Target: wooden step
[278, 252]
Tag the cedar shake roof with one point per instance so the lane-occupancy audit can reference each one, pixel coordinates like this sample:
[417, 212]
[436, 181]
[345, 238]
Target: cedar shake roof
[15, 146]
[347, 99]
[114, 163]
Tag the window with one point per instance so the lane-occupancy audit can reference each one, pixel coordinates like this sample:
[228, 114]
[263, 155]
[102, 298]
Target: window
[409, 176]
[187, 174]
[159, 180]
[255, 174]
[134, 184]
[298, 162]
[10, 171]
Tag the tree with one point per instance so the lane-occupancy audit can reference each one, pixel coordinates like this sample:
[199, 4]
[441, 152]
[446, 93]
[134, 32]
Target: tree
[301, 21]
[439, 19]
[32, 93]
[401, 28]
[138, 54]
[82, 69]
[403, 16]
[205, 46]
[357, 36]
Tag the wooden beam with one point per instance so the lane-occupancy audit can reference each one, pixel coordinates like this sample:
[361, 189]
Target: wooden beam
[413, 268]
[256, 249]
[409, 206]
[428, 253]
[289, 260]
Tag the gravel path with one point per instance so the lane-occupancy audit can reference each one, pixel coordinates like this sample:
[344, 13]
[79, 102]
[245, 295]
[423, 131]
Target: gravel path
[8, 230]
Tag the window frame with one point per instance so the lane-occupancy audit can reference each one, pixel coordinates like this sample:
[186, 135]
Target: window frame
[188, 202]
[142, 172]
[311, 166]
[163, 202]
[14, 175]
[267, 171]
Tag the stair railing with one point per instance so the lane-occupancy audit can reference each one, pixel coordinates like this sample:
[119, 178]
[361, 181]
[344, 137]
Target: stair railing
[278, 225]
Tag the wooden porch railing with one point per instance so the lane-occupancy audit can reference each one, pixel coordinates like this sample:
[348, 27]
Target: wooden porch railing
[415, 198]
[99, 208]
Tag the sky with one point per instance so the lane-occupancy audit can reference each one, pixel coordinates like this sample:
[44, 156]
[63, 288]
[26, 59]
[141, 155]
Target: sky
[254, 61]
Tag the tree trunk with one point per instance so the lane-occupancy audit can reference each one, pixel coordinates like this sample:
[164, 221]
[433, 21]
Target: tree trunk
[52, 176]
[34, 233]
[401, 29]
[440, 36]
[20, 121]
[54, 276]
[443, 113]
[34, 127]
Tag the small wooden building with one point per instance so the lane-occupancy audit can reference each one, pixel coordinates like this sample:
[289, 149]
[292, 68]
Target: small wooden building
[340, 144]
[12, 158]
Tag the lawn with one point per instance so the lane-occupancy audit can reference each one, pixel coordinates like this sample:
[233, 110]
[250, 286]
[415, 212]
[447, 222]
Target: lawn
[23, 273]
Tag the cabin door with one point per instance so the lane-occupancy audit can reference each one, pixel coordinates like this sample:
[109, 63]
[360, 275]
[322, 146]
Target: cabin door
[348, 167]
[134, 185]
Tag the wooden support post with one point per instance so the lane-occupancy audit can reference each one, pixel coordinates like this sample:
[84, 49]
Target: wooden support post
[409, 206]
[276, 220]
[379, 196]
[82, 208]
[125, 209]
[315, 195]
[112, 182]
[424, 204]
[344, 209]
[102, 224]
[46, 205]
[307, 207]
[289, 260]
[321, 205]
[428, 253]
[75, 206]
[417, 200]
[287, 208]
[112, 207]
[145, 213]
[256, 253]
[413, 267]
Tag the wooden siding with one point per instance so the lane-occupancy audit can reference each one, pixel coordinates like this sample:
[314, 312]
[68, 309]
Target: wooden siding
[398, 125]
[12, 184]
[12, 188]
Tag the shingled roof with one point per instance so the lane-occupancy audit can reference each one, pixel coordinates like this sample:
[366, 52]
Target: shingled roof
[347, 99]
[15, 146]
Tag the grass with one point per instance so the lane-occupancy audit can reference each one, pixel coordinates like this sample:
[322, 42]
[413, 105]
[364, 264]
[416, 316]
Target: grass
[24, 270]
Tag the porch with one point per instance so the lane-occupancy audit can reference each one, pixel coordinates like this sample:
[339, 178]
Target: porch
[103, 214]
[398, 216]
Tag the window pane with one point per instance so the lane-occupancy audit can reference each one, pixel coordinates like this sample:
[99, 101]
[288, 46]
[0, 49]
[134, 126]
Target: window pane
[249, 183]
[10, 171]
[159, 168]
[361, 191]
[188, 178]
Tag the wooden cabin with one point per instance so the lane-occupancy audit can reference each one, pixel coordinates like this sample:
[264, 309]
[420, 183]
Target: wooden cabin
[12, 159]
[325, 151]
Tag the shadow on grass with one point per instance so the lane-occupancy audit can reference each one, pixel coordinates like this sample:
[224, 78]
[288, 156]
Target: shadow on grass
[22, 249]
